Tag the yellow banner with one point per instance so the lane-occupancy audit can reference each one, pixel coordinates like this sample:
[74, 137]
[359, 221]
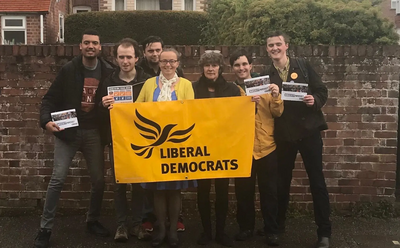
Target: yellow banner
[183, 140]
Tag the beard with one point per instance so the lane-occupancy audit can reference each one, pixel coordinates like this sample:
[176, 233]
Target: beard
[91, 57]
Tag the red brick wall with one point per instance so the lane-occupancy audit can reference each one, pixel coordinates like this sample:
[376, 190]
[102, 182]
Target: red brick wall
[360, 145]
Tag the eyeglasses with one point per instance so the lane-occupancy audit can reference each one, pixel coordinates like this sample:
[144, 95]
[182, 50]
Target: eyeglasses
[212, 51]
[171, 62]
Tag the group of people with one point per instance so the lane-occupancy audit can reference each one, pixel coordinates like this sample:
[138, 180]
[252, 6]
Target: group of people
[282, 129]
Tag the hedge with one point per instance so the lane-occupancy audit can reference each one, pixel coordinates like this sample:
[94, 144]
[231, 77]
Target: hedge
[174, 27]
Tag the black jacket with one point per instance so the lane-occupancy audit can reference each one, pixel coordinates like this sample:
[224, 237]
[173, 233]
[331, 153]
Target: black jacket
[114, 80]
[299, 121]
[148, 70]
[66, 93]
[222, 88]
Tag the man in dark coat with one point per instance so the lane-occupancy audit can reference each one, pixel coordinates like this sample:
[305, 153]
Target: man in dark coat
[75, 88]
[132, 76]
[298, 129]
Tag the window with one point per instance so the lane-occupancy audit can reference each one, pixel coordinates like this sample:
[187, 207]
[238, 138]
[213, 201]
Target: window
[395, 4]
[61, 29]
[81, 9]
[189, 5]
[119, 5]
[153, 4]
[13, 30]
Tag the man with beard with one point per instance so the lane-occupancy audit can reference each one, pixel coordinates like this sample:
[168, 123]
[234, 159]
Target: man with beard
[152, 47]
[126, 74]
[75, 88]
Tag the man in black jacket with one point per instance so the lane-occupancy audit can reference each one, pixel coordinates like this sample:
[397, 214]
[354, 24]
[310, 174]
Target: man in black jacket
[75, 88]
[126, 74]
[152, 48]
[298, 130]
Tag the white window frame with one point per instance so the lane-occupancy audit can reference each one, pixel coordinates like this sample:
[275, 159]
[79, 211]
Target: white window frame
[113, 5]
[85, 8]
[183, 5]
[395, 4]
[4, 28]
[61, 25]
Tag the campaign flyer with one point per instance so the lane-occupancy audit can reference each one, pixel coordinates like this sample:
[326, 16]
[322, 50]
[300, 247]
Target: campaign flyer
[257, 86]
[292, 91]
[121, 93]
[65, 119]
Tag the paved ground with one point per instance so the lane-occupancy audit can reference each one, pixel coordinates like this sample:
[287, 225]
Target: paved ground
[69, 231]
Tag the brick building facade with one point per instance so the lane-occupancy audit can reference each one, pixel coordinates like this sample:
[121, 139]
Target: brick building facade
[20, 21]
[111, 5]
[360, 145]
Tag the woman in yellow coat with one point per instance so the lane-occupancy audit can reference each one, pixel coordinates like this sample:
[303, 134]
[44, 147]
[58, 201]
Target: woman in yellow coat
[167, 195]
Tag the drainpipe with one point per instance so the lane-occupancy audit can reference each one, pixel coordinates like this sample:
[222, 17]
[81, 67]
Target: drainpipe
[41, 29]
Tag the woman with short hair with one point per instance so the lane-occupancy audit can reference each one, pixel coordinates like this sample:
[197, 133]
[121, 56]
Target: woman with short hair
[212, 84]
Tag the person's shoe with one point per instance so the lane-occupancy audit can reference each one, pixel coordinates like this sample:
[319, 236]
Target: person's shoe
[42, 239]
[180, 227]
[244, 235]
[173, 242]
[140, 232]
[157, 241]
[272, 240]
[121, 235]
[148, 226]
[94, 227]
[323, 242]
[204, 239]
[224, 240]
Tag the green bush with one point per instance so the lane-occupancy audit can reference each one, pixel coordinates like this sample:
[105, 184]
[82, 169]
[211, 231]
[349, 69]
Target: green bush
[246, 22]
[174, 27]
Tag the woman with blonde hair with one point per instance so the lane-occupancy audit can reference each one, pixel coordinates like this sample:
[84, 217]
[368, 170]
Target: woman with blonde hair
[167, 195]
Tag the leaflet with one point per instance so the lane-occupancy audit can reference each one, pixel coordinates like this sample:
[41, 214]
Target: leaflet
[257, 86]
[65, 119]
[121, 93]
[292, 91]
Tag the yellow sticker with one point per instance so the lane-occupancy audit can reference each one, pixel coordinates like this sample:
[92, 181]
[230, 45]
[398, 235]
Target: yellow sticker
[294, 75]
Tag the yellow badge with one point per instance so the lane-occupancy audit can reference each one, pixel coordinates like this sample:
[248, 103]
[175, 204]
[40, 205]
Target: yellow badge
[294, 75]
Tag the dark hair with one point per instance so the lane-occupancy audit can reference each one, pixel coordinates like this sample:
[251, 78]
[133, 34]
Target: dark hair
[151, 39]
[90, 32]
[128, 42]
[239, 53]
[178, 54]
[212, 58]
[278, 33]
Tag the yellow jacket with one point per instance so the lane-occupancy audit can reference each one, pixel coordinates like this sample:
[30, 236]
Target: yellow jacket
[267, 109]
[183, 90]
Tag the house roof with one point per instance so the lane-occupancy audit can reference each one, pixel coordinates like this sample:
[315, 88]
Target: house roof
[24, 5]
